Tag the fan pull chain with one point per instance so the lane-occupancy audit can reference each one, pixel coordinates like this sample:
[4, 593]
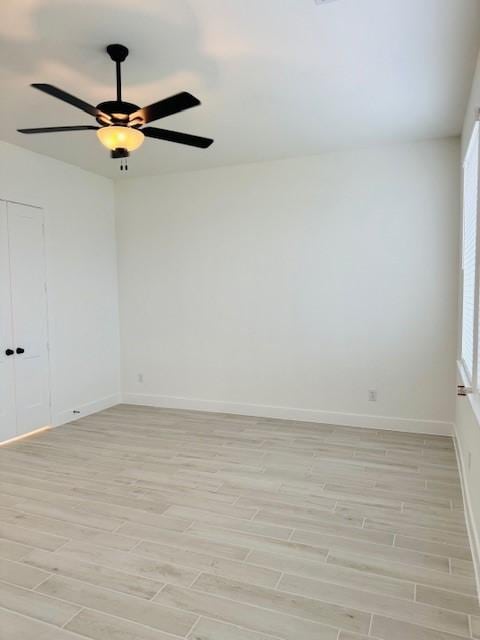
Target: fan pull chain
[123, 165]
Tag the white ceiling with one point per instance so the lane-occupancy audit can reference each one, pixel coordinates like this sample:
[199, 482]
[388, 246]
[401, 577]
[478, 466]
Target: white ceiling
[277, 78]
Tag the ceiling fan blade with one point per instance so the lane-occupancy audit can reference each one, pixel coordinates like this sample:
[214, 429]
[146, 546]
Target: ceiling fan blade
[166, 107]
[175, 136]
[55, 92]
[55, 129]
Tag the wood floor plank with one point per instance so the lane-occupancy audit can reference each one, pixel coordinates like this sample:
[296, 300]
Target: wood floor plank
[388, 629]
[127, 607]
[284, 547]
[68, 530]
[41, 607]
[248, 526]
[448, 600]
[61, 564]
[12, 550]
[434, 548]
[20, 575]
[415, 612]
[271, 623]
[406, 517]
[101, 626]
[322, 526]
[146, 567]
[193, 543]
[402, 571]
[420, 533]
[20, 627]
[243, 571]
[346, 635]
[334, 574]
[121, 514]
[339, 616]
[394, 554]
[462, 567]
[25, 536]
[207, 629]
[68, 514]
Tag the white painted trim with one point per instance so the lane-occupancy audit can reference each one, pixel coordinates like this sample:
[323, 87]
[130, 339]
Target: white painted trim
[62, 417]
[472, 530]
[410, 425]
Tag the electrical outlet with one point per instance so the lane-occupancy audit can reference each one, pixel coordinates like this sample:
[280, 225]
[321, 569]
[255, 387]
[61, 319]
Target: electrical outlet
[140, 377]
[372, 395]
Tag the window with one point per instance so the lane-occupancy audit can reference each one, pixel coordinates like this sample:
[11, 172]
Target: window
[469, 348]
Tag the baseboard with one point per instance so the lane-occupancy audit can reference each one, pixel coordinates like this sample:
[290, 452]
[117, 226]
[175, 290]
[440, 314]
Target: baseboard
[86, 409]
[431, 427]
[472, 530]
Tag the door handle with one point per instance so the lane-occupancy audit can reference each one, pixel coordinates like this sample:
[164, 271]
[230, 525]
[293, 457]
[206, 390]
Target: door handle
[462, 390]
[9, 352]
[20, 350]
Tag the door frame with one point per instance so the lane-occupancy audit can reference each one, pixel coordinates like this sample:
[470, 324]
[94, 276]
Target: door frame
[41, 212]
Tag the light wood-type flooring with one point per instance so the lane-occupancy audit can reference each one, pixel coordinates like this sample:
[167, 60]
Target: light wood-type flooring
[150, 524]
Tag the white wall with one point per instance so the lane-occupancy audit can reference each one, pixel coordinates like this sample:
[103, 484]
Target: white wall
[81, 274]
[291, 288]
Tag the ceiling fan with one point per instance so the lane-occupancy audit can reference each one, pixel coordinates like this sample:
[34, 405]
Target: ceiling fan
[122, 124]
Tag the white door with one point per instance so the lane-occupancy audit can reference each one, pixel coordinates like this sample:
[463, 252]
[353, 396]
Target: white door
[8, 427]
[29, 312]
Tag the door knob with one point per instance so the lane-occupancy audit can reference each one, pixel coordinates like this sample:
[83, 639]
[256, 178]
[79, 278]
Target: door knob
[9, 352]
[20, 350]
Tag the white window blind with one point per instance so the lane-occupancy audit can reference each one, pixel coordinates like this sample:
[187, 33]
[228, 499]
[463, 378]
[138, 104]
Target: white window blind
[469, 257]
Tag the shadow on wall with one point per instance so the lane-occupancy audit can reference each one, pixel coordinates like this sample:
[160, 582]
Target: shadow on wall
[67, 36]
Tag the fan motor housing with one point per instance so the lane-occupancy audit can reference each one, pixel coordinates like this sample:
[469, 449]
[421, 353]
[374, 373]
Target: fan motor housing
[118, 110]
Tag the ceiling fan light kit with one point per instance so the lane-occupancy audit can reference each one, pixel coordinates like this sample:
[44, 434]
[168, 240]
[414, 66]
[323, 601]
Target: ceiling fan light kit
[122, 124]
[120, 137]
